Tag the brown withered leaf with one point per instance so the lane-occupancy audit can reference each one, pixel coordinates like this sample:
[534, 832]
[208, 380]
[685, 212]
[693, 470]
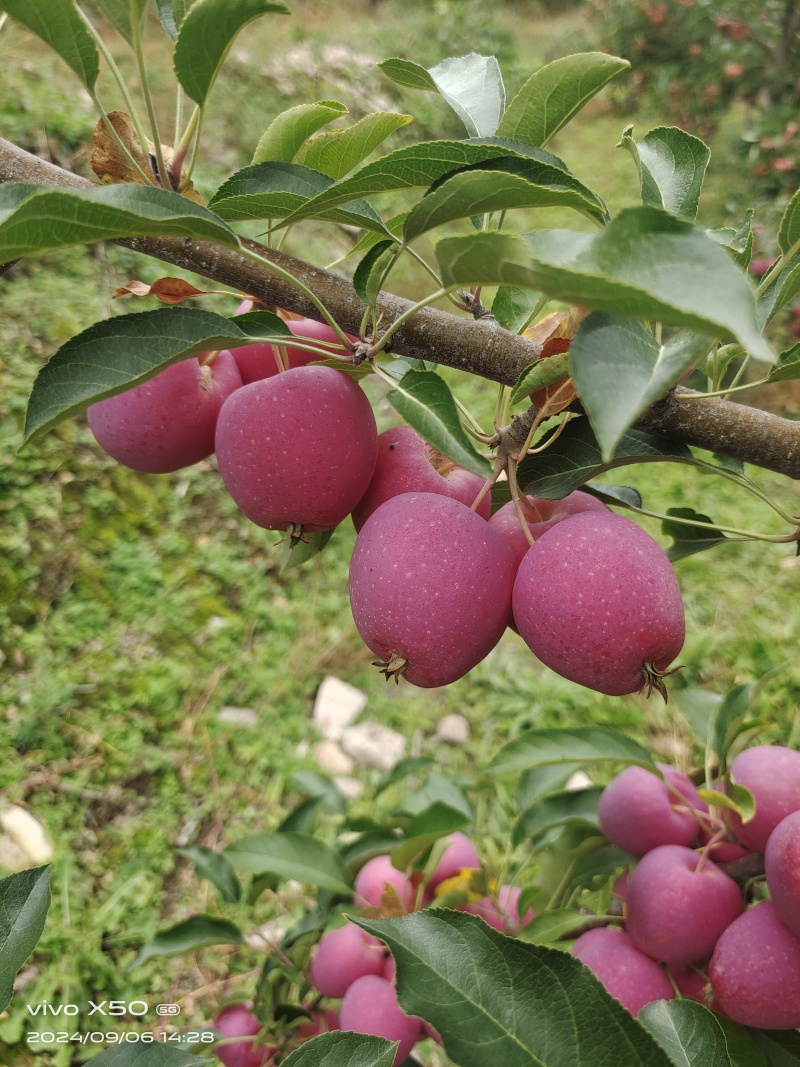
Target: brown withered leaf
[112, 166]
[168, 290]
[108, 161]
[559, 324]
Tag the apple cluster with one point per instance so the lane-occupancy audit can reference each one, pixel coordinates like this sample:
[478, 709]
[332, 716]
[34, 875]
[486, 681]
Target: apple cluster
[689, 927]
[351, 965]
[434, 581]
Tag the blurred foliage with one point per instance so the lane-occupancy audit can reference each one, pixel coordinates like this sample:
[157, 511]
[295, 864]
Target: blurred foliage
[695, 58]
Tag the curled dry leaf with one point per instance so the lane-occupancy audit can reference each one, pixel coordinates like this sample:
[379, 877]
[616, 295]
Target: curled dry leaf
[112, 165]
[168, 290]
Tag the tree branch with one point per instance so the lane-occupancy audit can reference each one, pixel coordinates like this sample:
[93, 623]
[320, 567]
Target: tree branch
[479, 346]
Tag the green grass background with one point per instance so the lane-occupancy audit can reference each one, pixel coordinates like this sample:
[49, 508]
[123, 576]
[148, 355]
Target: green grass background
[133, 608]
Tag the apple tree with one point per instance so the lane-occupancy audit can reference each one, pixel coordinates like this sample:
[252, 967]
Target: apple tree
[607, 347]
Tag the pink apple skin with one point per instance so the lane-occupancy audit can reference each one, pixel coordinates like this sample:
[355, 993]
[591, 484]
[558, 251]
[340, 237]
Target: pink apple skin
[372, 879]
[408, 464]
[238, 1021]
[299, 448]
[596, 600]
[782, 866]
[430, 582]
[502, 914]
[627, 974]
[755, 971]
[323, 1022]
[679, 903]
[370, 1007]
[506, 521]
[342, 955]
[637, 811]
[168, 422]
[772, 774]
[260, 361]
[692, 985]
[460, 853]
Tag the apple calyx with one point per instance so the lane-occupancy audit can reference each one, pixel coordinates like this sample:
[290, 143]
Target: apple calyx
[393, 667]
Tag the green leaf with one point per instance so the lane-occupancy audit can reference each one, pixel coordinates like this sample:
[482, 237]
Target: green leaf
[61, 28]
[121, 13]
[343, 1049]
[501, 185]
[742, 1048]
[38, 219]
[406, 72]
[205, 36]
[275, 190]
[424, 400]
[312, 543]
[216, 869]
[697, 706]
[789, 231]
[393, 225]
[437, 789]
[552, 925]
[783, 287]
[24, 900]
[370, 271]
[167, 18]
[556, 810]
[736, 798]
[672, 165]
[555, 93]
[540, 782]
[473, 87]
[288, 132]
[336, 153]
[780, 1047]
[321, 787]
[513, 307]
[687, 1031]
[614, 494]
[292, 855]
[686, 540]
[409, 765]
[147, 1055]
[540, 374]
[728, 717]
[645, 264]
[581, 744]
[495, 1000]
[600, 862]
[416, 166]
[115, 355]
[738, 242]
[787, 368]
[575, 458]
[428, 826]
[200, 931]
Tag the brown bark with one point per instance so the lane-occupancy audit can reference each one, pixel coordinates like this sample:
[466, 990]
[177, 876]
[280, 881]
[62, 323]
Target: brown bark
[479, 346]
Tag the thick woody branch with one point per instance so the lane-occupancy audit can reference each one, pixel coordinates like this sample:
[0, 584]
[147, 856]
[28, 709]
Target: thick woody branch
[481, 346]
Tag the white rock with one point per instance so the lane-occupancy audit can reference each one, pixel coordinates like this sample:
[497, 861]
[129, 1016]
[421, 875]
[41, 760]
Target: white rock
[452, 730]
[350, 788]
[237, 716]
[331, 759]
[578, 781]
[23, 842]
[374, 745]
[337, 704]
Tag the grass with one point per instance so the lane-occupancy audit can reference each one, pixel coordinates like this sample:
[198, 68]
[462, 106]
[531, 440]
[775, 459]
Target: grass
[135, 608]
